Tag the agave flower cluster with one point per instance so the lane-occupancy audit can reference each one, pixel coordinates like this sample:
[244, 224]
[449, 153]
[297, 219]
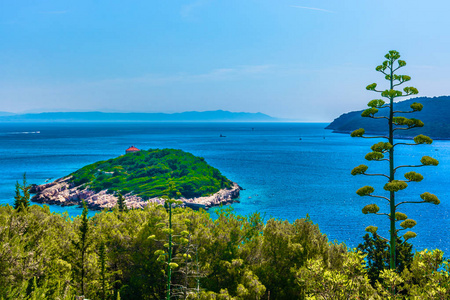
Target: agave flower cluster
[385, 150]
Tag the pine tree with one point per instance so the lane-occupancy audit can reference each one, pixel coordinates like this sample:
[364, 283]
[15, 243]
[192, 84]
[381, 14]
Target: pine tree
[395, 123]
[22, 197]
[18, 197]
[82, 245]
[102, 261]
[377, 254]
[121, 205]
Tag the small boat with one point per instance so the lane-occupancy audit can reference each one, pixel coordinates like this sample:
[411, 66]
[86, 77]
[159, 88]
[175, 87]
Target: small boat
[222, 135]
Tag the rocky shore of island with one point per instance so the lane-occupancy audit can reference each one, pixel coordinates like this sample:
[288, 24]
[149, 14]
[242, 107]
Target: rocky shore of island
[63, 192]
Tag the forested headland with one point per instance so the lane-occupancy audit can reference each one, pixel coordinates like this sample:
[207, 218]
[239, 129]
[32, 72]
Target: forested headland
[434, 114]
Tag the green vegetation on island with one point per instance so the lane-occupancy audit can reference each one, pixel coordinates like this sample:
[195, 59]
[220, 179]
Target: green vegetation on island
[147, 173]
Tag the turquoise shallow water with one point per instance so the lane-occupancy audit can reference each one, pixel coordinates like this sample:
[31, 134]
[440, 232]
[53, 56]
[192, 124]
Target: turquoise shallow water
[283, 176]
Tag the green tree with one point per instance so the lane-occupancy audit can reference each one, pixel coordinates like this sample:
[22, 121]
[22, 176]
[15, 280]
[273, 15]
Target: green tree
[121, 205]
[388, 68]
[378, 258]
[22, 197]
[348, 281]
[286, 247]
[82, 245]
[102, 260]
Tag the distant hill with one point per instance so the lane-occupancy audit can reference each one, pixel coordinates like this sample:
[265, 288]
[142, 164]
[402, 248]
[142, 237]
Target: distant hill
[205, 116]
[435, 115]
[5, 113]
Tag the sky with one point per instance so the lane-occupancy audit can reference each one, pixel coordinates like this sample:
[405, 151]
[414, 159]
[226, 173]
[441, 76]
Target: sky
[306, 60]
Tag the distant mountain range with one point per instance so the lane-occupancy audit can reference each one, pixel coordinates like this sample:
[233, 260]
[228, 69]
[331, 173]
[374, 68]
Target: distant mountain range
[191, 116]
[435, 115]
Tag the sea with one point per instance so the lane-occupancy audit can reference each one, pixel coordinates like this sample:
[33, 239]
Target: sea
[288, 170]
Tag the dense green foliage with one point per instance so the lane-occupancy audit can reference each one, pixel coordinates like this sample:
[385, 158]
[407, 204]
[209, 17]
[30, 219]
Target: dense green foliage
[378, 258]
[232, 257]
[82, 245]
[147, 174]
[22, 194]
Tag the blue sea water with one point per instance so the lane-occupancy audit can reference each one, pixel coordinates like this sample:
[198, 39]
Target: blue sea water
[288, 170]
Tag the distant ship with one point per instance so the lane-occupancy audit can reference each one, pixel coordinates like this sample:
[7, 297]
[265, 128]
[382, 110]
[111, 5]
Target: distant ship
[222, 135]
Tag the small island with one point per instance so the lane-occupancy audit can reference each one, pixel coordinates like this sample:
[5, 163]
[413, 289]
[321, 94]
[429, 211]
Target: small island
[141, 177]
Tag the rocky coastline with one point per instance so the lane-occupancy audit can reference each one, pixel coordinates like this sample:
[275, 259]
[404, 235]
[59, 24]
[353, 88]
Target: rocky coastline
[63, 192]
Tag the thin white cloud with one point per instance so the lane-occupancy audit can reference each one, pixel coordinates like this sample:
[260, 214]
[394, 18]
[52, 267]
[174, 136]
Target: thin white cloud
[313, 8]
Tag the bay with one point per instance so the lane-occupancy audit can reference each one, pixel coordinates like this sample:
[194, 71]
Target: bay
[288, 170]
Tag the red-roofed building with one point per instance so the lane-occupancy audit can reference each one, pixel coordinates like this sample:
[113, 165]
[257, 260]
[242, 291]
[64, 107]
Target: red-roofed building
[131, 150]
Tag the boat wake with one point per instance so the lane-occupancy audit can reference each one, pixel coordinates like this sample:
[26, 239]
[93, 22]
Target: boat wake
[25, 132]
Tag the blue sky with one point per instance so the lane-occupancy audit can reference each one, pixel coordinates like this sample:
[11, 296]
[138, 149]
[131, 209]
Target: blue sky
[308, 60]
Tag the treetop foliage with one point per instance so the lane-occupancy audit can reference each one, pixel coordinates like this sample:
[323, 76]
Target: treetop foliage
[395, 186]
[376, 103]
[361, 169]
[430, 198]
[410, 123]
[413, 176]
[358, 132]
[381, 147]
[365, 190]
[422, 139]
[416, 106]
[22, 195]
[231, 257]
[370, 209]
[147, 173]
[370, 112]
[429, 161]
[408, 223]
[399, 216]
[374, 156]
